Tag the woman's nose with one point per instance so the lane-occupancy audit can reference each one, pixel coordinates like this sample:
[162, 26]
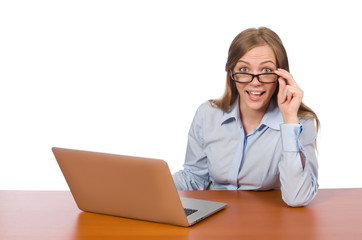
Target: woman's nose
[255, 81]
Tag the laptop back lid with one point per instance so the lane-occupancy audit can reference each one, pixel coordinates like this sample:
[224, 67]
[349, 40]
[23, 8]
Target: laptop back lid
[131, 187]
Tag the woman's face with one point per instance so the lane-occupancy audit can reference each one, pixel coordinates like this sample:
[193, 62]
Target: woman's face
[256, 96]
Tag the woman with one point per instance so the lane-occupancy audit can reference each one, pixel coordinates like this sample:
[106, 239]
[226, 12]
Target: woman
[259, 135]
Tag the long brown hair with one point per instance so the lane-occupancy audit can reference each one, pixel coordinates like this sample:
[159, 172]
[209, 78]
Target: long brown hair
[242, 43]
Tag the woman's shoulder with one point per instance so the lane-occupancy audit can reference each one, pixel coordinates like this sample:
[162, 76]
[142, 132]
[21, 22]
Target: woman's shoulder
[209, 108]
[307, 121]
[208, 114]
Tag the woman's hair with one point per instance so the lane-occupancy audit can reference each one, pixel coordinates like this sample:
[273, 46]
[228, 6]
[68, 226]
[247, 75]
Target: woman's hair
[243, 42]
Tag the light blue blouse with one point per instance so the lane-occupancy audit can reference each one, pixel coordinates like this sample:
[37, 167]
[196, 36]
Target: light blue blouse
[220, 156]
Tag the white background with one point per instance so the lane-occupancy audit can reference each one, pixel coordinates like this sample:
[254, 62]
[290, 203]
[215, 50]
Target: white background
[126, 77]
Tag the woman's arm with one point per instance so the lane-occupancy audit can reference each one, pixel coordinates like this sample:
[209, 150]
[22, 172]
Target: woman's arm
[298, 166]
[195, 175]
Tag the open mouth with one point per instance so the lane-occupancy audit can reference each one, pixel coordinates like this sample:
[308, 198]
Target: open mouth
[255, 93]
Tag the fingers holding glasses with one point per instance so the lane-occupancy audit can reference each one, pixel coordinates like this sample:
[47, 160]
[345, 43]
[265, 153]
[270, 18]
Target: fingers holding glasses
[289, 96]
[287, 84]
[282, 90]
[287, 76]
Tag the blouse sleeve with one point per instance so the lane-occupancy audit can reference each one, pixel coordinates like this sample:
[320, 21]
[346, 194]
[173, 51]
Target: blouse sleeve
[299, 185]
[195, 175]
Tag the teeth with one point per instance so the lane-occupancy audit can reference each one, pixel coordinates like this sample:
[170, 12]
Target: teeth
[256, 93]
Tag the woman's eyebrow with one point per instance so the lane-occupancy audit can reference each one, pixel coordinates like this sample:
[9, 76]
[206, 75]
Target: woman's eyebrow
[264, 62]
[242, 61]
[268, 61]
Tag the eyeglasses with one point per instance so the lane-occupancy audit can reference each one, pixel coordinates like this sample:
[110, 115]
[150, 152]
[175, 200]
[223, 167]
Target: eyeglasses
[248, 77]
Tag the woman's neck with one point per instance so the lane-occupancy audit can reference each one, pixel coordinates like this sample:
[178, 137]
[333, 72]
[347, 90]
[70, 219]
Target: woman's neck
[251, 118]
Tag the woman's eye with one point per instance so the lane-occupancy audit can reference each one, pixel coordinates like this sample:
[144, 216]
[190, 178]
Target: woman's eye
[244, 69]
[267, 70]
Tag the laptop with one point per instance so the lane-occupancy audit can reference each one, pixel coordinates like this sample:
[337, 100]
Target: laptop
[130, 187]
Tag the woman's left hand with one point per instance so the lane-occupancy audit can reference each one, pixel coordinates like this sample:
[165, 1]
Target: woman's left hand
[290, 96]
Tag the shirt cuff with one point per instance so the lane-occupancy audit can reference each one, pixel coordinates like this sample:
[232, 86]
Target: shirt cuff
[290, 134]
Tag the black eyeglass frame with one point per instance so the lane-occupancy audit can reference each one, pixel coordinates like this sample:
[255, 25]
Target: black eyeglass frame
[253, 76]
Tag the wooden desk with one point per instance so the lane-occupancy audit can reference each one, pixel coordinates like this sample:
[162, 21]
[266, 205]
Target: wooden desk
[334, 214]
